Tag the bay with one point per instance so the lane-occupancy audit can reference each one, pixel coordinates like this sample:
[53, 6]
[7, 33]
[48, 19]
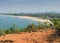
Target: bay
[8, 21]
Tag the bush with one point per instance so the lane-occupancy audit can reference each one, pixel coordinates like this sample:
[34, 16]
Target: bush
[31, 27]
[56, 23]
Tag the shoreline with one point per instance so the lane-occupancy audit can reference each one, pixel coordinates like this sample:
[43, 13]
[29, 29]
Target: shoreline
[31, 18]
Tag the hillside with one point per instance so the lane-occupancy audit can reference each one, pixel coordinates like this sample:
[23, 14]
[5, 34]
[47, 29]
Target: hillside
[42, 36]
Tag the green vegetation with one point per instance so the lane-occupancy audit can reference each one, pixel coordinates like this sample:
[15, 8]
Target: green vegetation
[56, 23]
[45, 15]
[30, 28]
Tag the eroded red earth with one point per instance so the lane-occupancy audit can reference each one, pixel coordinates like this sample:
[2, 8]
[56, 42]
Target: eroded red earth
[43, 36]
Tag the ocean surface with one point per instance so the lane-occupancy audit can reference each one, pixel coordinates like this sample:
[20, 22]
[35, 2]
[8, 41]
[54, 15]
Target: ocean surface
[8, 21]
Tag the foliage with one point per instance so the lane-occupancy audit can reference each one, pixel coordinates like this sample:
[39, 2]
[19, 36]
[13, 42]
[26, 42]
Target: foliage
[31, 27]
[11, 30]
[43, 15]
[56, 23]
[1, 32]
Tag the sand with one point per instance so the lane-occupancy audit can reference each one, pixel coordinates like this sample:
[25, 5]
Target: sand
[32, 18]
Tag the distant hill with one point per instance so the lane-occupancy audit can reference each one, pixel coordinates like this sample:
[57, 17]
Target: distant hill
[43, 15]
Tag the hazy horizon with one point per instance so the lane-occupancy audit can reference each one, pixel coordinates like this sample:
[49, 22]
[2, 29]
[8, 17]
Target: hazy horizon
[29, 6]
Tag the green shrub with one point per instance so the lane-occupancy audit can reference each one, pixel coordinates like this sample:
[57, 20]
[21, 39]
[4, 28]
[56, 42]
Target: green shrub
[31, 27]
[56, 23]
[12, 30]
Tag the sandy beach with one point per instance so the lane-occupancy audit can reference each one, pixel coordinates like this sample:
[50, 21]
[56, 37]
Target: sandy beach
[31, 18]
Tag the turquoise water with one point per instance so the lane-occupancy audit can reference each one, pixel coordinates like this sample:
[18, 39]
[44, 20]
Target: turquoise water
[8, 21]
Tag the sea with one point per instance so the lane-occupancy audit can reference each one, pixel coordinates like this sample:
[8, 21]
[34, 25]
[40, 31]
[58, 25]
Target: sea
[9, 21]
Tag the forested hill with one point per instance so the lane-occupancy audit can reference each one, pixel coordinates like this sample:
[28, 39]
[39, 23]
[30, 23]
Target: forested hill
[43, 15]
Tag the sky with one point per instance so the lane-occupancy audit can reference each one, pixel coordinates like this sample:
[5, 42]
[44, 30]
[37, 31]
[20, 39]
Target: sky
[29, 6]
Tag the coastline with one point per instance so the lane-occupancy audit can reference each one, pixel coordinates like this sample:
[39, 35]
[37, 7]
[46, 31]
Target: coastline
[31, 18]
